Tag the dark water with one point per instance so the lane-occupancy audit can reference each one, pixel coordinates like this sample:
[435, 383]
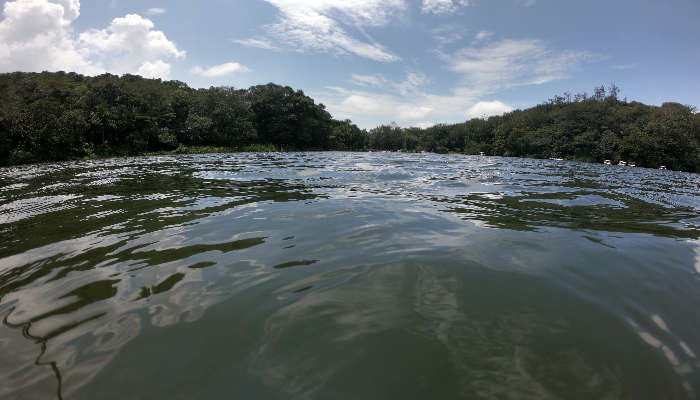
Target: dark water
[348, 276]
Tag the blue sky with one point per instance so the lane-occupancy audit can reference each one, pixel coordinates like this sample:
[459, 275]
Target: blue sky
[415, 62]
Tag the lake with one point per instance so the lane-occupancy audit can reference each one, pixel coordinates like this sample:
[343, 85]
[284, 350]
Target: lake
[348, 276]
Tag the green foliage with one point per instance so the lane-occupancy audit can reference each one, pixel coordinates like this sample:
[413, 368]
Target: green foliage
[260, 148]
[575, 127]
[62, 116]
[347, 136]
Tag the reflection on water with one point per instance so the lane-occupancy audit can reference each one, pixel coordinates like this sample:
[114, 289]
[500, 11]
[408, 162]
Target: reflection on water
[310, 275]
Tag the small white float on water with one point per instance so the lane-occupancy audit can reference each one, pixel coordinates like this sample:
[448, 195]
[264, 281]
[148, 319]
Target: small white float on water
[482, 154]
[622, 163]
[607, 162]
[632, 164]
[663, 167]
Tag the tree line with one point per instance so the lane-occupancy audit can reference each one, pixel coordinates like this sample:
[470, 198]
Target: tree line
[62, 116]
[581, 127]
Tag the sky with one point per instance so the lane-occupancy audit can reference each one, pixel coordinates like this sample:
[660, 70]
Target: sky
[412, 62]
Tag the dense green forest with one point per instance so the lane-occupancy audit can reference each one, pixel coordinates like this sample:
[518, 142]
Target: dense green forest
[63, 116]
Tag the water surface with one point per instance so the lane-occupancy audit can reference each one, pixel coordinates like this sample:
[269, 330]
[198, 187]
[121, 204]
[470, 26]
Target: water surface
[348, 275]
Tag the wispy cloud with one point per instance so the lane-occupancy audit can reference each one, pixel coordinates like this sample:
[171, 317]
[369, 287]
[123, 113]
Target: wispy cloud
[421, 108]
[442, 6]
[327, 26]
[407, 102]
[483, 35]
[509, 63]
[258, 43]
[481, 70]
[623, 67]
[156, 11]
[412, 84]
[219, 70]
[368, 80]
[446, 34]
[485, 109]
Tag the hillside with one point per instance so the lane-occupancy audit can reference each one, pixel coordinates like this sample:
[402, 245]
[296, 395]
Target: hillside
[63, 116]
[577, 127]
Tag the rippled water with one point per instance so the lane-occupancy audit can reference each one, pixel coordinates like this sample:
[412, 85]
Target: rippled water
[347, 276]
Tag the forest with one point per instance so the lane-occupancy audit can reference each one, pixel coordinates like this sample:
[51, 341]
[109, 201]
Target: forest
[66, 116]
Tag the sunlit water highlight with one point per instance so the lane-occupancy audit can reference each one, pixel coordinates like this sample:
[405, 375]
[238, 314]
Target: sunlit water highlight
[348, 275]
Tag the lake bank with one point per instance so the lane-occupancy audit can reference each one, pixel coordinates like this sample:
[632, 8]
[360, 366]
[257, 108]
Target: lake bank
[203, 150]
[63, 116]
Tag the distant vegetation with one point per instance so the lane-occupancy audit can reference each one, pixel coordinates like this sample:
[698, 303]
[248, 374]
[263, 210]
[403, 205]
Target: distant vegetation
[576, 127]
[63, 116]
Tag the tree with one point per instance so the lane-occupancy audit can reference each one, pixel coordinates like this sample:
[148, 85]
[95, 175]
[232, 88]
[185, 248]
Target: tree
[60, 116]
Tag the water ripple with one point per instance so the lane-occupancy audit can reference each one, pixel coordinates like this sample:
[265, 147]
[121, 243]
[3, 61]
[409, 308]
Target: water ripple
[476, 270]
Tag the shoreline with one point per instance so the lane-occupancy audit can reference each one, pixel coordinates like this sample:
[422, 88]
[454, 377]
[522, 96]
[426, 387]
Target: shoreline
[202, 150]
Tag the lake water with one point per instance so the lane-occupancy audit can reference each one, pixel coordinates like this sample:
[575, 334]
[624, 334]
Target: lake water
[348, 276]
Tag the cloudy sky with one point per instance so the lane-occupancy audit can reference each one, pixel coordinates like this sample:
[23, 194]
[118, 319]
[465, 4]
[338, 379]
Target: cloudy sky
[415, 62]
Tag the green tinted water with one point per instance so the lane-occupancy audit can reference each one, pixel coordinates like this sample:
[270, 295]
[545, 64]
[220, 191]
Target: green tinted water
[345, 276]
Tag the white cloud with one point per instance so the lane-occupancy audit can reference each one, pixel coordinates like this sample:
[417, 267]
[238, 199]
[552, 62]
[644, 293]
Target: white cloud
[405, 102]
[511, 63]
[446, 34]
[367, 109]
[156, 11]
[481, 71]
[71, 8]
[442, 6]
[259, 43]
[219, 70]
[623, 67]
[155, 69]
[37, 35]
[485, 109]
[483, 35]
[130, 41]
[411, 84]
[423, 109]
[322, 25]
[368, 80]
[130, 44]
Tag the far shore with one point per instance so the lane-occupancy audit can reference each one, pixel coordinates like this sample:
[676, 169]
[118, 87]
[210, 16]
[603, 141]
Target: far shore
[201, 150]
